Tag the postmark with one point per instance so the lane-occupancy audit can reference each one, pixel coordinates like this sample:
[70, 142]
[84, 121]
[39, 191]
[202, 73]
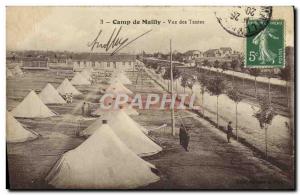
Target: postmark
[266, 49]
[234, 20]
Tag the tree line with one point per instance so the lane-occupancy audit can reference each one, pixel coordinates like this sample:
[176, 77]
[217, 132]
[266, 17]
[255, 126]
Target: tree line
[216, 86]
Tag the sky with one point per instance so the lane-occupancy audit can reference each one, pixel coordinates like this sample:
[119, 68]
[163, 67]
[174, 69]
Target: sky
[72, 28]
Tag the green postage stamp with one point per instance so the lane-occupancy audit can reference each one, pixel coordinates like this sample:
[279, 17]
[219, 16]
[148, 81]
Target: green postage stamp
[266, 49]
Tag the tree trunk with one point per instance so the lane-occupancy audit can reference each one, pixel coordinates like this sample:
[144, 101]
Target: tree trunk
[203, 104]
[142, 78]
[218, 111]
[287, 94]
[136, 81]
[232, 77]
[255, 87]
[236, 122]
[266, 141]
[269, 91]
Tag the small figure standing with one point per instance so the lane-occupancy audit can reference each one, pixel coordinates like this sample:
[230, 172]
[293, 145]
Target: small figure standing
[184, 137]
[229, 131]
[71, 97]
[181, 132]
[83, 109]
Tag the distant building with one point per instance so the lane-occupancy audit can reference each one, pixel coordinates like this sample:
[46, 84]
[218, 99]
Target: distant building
[104, 61]
[192, 55]
[58, 59]
[212, 53]
[226, 51]
[211, 61]
[218, 57]
[159, 55]
[35, 63]
[175, 52]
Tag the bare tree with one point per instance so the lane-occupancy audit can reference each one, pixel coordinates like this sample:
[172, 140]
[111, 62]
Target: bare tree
[254, 72]
[206, 63]
[265, 116]
[216, 65]
[269, 88]
[224, 66]
[233, 65]
[215, 87]
[184, 83]
[203, 82]
[167, 75]
[243, 69]
[234, 94]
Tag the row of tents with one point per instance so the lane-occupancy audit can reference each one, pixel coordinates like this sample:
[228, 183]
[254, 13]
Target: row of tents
[34, 106]
[103, 161]
[110, 157]
[16, 71]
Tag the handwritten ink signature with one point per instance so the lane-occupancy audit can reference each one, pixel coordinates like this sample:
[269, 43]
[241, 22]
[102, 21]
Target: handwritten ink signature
[114, 41]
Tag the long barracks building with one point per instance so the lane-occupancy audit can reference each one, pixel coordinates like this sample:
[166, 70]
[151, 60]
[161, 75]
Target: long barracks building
[99, 61]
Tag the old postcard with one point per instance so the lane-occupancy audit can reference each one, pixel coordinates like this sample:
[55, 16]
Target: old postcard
[150, 98]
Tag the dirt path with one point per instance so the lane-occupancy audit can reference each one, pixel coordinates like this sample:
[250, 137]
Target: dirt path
[211, 162]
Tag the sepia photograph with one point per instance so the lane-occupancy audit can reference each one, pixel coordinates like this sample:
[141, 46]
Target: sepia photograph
[150, 98]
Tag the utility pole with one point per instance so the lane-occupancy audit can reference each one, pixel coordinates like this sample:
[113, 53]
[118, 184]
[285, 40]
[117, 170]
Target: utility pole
[172, 91]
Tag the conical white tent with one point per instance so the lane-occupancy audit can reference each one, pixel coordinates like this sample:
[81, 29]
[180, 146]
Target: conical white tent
[89, 70]
[122, 78]
[15, 132]
[87, 74]
[126, 108]
[78, 79]
[32, 107]
[128, 131]
[143, 129]
[118, 88]
[131, 111]
[9, 73]
[66, 87]
[49, 95]
[103, 161]
[17, 70]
